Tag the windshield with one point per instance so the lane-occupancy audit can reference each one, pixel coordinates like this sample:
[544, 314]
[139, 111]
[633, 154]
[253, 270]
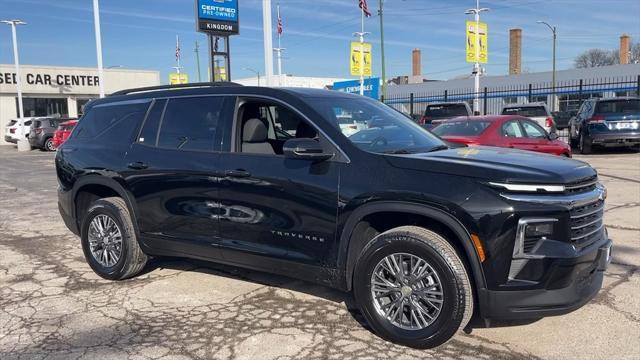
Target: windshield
[461, 128]
[446, 111]
[526, 111]
[385, 130]
[618, 106]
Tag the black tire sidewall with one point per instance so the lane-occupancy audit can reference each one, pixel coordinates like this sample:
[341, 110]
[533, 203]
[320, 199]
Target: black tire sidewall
[105, 208]
[452, 311]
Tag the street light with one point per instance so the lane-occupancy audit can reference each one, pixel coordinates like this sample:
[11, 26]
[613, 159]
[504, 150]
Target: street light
[255, 72]
[96, 21]
[476, 67]
[23, 143]
[553, 76]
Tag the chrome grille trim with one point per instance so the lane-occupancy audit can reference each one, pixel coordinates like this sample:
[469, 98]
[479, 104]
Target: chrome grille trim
[588, 234]
[586, 225]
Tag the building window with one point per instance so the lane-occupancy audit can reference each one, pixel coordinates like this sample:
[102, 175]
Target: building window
[43, 107]
[80, 104]
[510, 99]
[539, 98]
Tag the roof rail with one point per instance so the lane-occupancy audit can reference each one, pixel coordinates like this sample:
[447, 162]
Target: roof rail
[171, 87]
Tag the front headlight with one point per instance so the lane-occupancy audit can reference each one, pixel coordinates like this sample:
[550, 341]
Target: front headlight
[529, 233]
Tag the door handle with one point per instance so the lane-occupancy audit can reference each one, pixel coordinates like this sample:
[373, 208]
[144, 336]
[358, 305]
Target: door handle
[237, 173]
[137, 165]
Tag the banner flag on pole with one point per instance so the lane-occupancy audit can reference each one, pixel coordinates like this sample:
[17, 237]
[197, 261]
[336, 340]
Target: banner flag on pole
[365, 8]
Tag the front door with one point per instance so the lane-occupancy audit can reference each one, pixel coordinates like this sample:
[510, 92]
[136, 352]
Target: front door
[275, 208]
[173, 175]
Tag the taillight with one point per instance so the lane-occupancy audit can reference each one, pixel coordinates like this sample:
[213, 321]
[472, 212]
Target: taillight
[549, 122]
[423, 120]
[596, 119]
[39, 131]
[12, 131]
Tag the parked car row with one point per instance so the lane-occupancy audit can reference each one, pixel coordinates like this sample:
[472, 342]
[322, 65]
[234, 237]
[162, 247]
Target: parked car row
[612, 122]
[44, 133]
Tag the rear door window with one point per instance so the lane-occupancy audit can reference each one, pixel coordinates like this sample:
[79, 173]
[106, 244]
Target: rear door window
[526, 111]
[191, 124]
[113, 123]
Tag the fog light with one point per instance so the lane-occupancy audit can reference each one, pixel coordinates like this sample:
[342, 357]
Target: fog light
[537, 230]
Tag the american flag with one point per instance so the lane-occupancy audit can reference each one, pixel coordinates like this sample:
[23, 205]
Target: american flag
[365, 8]
[177, 48]
[280, 28]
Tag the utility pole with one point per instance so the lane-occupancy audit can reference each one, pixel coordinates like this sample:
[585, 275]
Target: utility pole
[553, 74]
[197, 51]
[23, 143]
[268, 40]
[96, 21]
[476, 67]
[382, 63]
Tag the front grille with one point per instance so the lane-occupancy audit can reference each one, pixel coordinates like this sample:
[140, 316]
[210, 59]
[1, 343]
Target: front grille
[583, 185]
[587, 224]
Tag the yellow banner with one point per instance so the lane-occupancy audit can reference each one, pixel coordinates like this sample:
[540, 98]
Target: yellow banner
[483, 53]
[177, 79]
[357, 49]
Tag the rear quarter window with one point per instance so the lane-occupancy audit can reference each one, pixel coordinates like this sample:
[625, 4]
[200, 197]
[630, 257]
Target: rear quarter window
[112, 123]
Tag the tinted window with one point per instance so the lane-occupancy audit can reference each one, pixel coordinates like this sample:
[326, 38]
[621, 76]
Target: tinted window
[533, 130]
[190, 123]
[618, 106]
[446, 111]
[526, 111]
[116, 121]
[461, 128]
[149, 133]
[396, 132]
[512, 130]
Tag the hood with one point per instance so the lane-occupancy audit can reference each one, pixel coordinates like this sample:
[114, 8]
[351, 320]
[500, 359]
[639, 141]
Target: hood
[497, 164]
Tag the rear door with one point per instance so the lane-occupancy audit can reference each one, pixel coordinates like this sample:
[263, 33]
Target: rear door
[539, 138]
[173, 173]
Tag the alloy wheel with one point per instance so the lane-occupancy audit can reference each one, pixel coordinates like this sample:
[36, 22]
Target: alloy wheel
[105, 240]
[407, 291]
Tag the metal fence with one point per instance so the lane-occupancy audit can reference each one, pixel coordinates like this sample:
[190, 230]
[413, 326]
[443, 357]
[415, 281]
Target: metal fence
[568, 96]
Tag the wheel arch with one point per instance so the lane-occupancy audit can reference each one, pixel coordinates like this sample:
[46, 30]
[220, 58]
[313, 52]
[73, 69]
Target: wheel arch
[457, 235]
[92, 187]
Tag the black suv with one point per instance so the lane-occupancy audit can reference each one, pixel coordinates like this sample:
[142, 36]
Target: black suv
[425, 236]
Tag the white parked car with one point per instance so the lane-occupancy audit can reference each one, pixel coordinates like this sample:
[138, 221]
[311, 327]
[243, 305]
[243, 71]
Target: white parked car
[12, 130]
[536, 111]
[350, 126]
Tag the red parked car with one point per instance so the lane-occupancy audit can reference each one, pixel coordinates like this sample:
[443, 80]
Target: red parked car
[504, 131]
[63, 132]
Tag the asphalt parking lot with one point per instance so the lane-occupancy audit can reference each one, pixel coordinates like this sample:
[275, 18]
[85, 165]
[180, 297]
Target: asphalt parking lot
[53, 306]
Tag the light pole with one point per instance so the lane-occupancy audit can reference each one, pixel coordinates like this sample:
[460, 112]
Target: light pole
[476, 67]
[96, 21]
[382, 63]
[255, 72]
[268, 40]
[553, 74]
[23, 143]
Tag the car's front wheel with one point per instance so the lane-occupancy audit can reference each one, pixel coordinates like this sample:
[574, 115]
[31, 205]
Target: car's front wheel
[412, 287]
[109, 240]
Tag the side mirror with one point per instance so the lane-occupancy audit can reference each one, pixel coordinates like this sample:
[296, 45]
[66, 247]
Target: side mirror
[553, 136]
[304, 149]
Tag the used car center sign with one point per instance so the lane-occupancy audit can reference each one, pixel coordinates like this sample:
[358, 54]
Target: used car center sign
[10, 78]
[218, 17]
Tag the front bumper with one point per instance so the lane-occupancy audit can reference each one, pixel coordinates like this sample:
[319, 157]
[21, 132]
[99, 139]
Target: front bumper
[586, 273]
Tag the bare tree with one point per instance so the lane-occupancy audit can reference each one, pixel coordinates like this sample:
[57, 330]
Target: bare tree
[596, 57]
[635, 53]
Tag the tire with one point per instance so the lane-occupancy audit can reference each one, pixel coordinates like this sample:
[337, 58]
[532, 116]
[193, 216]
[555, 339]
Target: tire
[48, 145]
[585, 144]
[131, 259]
[456, 306]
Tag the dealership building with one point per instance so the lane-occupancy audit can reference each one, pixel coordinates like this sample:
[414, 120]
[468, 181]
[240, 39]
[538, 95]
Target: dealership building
[62, 91]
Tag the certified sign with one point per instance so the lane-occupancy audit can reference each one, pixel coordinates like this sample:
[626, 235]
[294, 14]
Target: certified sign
[218, 17]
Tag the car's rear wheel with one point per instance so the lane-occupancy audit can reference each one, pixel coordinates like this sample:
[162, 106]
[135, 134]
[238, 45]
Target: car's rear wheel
[109, 240]
[48, 145]
[412, 287]
[585, 144]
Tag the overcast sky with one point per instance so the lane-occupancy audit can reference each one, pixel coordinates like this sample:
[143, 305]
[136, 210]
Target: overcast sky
[141, 33]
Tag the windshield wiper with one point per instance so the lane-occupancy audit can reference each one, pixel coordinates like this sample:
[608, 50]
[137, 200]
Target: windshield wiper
[398, 152]
[438, 148]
